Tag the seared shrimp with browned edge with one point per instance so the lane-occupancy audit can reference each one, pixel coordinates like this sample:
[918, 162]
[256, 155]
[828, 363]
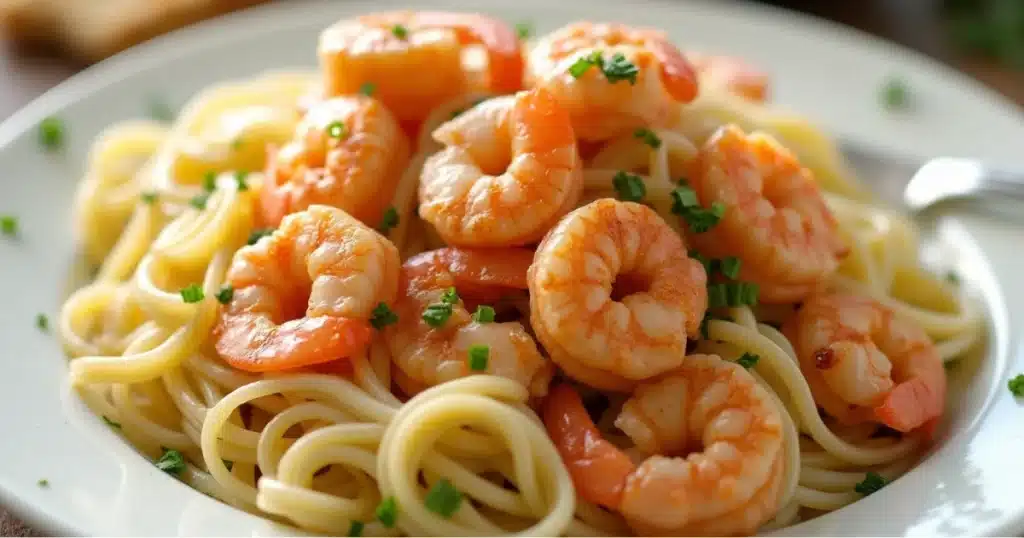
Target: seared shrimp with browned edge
[863, 363]
[304, 295]
[614, 295]
[508, 172]
[775, 219]
[415, 61]
[612, 78]
[715, 441]
[436, 339]
[348, 152]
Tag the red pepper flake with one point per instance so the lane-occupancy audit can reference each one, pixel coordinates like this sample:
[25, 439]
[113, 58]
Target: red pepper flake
[824, 358]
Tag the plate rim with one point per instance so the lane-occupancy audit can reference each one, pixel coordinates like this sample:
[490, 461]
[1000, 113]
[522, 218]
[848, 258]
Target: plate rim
[223, 30]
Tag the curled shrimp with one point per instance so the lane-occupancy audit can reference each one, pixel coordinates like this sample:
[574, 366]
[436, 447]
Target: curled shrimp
[730, 74]
[865, 364]
[528, 141]
[613, 294]
[716, 443]
[348, 152]
[304, 295]
[775, 221]
[415, 60]
[600, 106]
[426, 355]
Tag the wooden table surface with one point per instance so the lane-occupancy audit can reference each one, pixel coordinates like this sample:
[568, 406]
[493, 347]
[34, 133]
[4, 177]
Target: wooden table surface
[913, 23]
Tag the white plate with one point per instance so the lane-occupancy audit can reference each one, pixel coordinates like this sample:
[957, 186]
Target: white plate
[99, 485]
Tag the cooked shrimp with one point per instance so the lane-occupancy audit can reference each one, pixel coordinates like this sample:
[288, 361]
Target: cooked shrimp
[730, 74]
[525, 138]
[716, 441]
[775, 221]
[601, 105]
[415, 60]
[613, 294]
[865, 364]
[304, 294]
[348, 152]
[426, 355]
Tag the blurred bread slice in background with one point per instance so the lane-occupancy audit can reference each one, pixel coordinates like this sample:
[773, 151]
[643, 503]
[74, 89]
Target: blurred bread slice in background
[91, 30]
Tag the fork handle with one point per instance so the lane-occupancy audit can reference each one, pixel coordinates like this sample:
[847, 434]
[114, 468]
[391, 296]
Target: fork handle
[949, 178]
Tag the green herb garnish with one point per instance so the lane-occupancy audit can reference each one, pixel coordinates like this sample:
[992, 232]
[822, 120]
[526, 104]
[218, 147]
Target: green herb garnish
[226, 293]
[524, 30]
[437, 314]
[149, 197]
[729, 266]
[399, 31]
[356, 528]
[8, 225]
[895, 95]
[42, 322]
[450, 296]
[241, 180]
[192, 294]
[368, 89]
[629, 187]
[159, 110]
[872, 482]
[1016, 385]
[257, 234]
[584, 63]
[210, 181]
[171, 462]
[43, 483]
[51, 133]
[443, 499]
[388, 221]
[336, 129]
[478, 356]
[387, 512]
[483, 314]
[748, 360]
[648, 136]
[199, 201]
[383, 316]
[619, 68]
[111, 423]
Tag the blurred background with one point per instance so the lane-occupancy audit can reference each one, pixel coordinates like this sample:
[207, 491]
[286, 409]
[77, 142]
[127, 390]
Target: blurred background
[42, 42]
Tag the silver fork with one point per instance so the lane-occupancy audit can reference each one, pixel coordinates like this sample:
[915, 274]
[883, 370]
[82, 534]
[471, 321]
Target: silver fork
[915, 186]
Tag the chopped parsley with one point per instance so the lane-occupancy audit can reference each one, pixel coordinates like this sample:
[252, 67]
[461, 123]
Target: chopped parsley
[258, 234]
[159, 110]
[356, 528]
[171, 462]
[241, 180]
[226, 293]
[478, 356]
[236, 144]
[42, 322]
[111, 423]
[732, 294]
[483, 314]
[953, 278]
[629, 187]
[43, 483]
[748, 360]
[686, 205]
[615, 70]
[210, 181]
[443, 499]
[336, 129]
[389, 220]
[437, 314]
[1016, 385]
[199, 201]
[450, 296]
[51, 133]
[648, 136]
[149, 197]
[895, 95]
[192, 294]
[383, 316]
[872, 482]
[524, 30]
[399, 31]
[387, 512]
[8, 225]
[729, 266]
[368, 89]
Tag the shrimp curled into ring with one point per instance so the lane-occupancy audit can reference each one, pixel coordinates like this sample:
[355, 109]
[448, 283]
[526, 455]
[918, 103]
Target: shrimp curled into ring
[304, 295]
[602, 108]
[775, 221]
[716, 440]
[600, 251]
[865, 364]
[528, 138]
[348, 152]
[414, 60]
[425, 356]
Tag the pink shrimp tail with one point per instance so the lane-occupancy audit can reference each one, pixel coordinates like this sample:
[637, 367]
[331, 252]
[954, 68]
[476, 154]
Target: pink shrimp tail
[911, 404]
[253, 343]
